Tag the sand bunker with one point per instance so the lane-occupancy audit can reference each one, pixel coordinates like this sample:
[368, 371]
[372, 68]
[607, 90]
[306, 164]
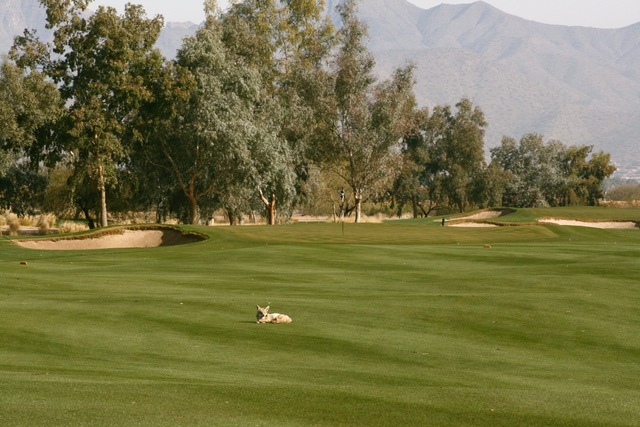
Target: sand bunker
[471, 224]
[483, 215]
[476, 220]
[118, 239]
[470, 220]
[592, 224]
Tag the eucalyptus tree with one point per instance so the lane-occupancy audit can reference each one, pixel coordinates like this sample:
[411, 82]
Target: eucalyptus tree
[100, 63]
[368, 119]
[444, 165]
[414, 184]
[583, 176]
[530, 167]
[550, 173]
[289, 42]
[29, 106]
[278, 37]
[597, 170]
[458, 154]
[222, 139]
[22, 189]
[163, 170]
[490, 186]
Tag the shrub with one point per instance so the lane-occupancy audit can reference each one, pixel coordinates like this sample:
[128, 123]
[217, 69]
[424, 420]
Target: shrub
[72, 227]
[27, 221]
[14, 223]
[45, 222]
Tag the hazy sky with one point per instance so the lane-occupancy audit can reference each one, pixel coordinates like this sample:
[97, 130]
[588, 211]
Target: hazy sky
[588, 13]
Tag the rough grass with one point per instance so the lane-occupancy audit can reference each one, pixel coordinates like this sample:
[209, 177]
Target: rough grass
[404, 323]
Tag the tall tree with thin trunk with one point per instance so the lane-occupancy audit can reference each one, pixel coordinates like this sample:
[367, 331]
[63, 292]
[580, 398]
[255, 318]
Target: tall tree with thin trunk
[29, 106]
[289, 43]
[459, 151]
[223, 138]
[100, 63]
[369, 120]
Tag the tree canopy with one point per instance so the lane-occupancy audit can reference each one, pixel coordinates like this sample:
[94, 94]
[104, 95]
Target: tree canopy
[100, 64]
[550, 174]
[266, 107]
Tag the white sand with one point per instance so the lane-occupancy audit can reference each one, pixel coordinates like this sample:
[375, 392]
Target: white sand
[128, 239]
[480, 215]
[464, 221]
[471, 224]
[594, 224]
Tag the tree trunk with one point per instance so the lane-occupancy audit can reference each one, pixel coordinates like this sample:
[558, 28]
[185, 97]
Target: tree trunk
[87, 216]
[231, 214]
[358, 198]
[103, 198]
[193, 206]
[271, 208]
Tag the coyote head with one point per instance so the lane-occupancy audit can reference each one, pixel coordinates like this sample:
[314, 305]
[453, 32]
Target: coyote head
[262, 312]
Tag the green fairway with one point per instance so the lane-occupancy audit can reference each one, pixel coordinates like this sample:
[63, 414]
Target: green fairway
[400, 323]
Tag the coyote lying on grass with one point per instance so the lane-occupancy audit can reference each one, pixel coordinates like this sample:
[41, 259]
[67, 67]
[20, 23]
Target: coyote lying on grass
[263, 316]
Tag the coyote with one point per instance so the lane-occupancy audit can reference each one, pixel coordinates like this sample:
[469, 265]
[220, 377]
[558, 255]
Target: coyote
[263, 316]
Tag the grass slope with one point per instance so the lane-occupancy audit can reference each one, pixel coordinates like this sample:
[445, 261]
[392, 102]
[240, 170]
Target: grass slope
[403, 323]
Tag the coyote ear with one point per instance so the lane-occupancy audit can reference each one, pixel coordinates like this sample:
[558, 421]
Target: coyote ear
[267, 308]
[258, 307]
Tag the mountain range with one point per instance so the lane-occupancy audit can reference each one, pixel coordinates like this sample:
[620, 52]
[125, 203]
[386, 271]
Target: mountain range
[578, 85]
[15, 16]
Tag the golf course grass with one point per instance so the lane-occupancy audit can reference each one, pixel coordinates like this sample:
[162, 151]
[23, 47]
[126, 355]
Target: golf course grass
[404, 323]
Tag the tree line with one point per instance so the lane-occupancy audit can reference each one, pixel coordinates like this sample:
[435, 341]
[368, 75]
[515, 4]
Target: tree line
[267, 108]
